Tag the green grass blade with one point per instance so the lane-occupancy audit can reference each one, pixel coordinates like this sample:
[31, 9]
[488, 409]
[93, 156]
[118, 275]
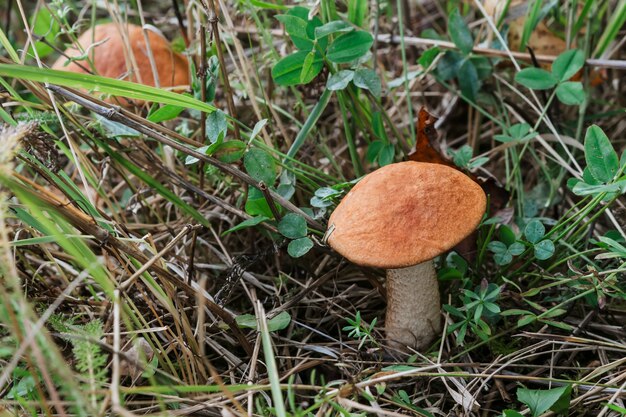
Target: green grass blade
[270, 364]
[55, 225]
[532, 18]
[102, 84]
[612, 29]
[310, 122]
[6, 44]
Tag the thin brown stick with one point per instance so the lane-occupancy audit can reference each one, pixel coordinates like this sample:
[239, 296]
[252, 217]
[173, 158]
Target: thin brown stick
[181, 22]
[126, 284]
[427, 43]
[303, 293]
[138, 119]
[270, 200]
[202, 78]
[414, 41]
[192, 255]
[179, 180]
[114, 114]
[228, 92]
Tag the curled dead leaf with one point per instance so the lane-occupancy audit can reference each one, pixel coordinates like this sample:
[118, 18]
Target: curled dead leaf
[427, 149]
[139, 353]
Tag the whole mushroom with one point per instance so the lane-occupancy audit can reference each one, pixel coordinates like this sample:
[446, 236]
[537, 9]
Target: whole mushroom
[399, 218]
[107, 50]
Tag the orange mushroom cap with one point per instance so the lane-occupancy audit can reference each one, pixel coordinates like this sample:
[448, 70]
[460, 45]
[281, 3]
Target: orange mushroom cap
[110, 57]
[404, 214]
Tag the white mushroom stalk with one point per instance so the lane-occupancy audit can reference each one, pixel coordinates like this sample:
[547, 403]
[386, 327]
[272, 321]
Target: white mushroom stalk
[413, 306]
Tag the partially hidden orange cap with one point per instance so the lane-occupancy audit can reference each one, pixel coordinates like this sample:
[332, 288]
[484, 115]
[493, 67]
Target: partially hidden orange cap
[110, 58]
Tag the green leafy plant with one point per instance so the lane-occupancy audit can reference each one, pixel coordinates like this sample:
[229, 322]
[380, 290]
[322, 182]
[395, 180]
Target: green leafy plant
[564, 67]
[226, 151]
[336, 42]
[363, 78]
[540, 401]
[293, 226]
[527, 317]
[479, 306]
[89, 358]
[380, 150]
[262, 167]
[161, 114]
[24, 387]
[519, 132]
[468, 69]
[534, 233]
[455, 267]
[360, 330]
[211, 80]
[276, 323]
[507, 247]
[462, 158]
[45, 27]
[510, 246]
[604, 171]
[403, 398]
[324, 197]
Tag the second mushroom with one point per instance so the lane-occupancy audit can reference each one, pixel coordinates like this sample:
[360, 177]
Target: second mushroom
[399, 218]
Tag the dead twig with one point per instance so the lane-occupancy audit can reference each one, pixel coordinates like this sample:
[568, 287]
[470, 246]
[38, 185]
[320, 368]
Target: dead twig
[115, 114]
[209, 7]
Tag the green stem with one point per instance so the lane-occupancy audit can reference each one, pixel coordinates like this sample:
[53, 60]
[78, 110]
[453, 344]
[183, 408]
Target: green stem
[354, 156]
[309, 124]
[404, 70]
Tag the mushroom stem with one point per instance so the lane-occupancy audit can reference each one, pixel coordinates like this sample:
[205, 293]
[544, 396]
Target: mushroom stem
[413, 306]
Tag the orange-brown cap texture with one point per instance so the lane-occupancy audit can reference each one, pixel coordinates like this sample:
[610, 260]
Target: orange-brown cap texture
[110, 57]
[404, 214]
